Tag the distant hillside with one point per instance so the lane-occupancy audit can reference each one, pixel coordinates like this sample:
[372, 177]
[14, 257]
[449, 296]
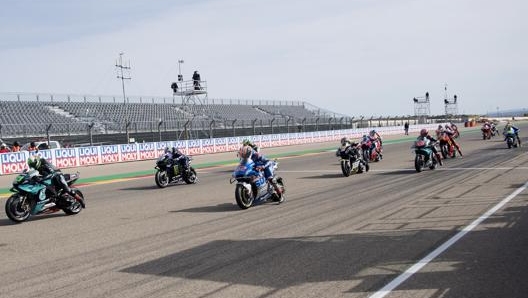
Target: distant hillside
[510, 113]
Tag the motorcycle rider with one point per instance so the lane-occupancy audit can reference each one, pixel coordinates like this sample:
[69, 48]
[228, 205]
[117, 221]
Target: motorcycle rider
[511, 129]
[175, 155]
[247, 142]
[261, 163]
[424, 134]
[345, 143]
[47, 169]
[374, 136]
[439, 131]
[452, 135]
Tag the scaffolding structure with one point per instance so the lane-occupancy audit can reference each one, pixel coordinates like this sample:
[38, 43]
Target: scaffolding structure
[451, 104]
[193, 95]
[422, 107]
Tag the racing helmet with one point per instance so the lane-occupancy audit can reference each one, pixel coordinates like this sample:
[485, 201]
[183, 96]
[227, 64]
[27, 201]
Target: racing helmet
[167, 150]
[246, 142]
[245, 152]
[34, 161]
[344, 141]
[372, 132]
[424, 132]
[440, 126]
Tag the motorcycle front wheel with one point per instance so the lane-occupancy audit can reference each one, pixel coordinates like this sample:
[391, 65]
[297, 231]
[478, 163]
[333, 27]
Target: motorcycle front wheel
[162, 179]
[418, 163]
[76, 206]
[190, 177]
[17, 209]
[345, 168]
[243, 198]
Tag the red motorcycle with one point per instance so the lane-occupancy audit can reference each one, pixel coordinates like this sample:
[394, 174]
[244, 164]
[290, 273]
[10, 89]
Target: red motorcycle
[447, 147]
[486, 132]
[370, 153]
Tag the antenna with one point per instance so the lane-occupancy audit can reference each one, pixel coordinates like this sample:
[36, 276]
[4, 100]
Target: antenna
[121, 68]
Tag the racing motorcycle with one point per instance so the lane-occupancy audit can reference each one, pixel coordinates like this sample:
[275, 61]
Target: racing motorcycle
[511, 140]
[170, 171]
[352, 160]
[424, 155]
[252, 187]
[369, 152]
[447, 147]
[486, 132]
[34, 194]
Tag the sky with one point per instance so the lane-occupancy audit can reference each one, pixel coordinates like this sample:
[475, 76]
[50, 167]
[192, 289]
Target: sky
[354, 57]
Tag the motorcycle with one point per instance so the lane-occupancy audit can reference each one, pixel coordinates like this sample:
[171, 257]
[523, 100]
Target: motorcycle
[169, 171]
[252, 187]
[34, 195]
[447, 147]
[370, 153]
[351, 160]
[486, 132]
[424, 155]
[511, 140]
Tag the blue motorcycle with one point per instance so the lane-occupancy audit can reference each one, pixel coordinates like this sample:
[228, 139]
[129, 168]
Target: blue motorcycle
[424, 155]
[252, 187]
[33, 194]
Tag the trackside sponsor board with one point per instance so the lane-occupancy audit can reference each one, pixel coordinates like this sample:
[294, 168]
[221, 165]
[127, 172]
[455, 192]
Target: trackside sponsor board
[66, 158]
[15, 162]
[88, 156]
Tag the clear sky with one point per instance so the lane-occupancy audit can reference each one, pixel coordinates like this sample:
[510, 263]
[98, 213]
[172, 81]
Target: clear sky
[356, 57]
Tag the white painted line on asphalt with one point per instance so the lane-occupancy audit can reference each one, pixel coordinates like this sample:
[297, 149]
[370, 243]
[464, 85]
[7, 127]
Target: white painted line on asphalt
[431, 256]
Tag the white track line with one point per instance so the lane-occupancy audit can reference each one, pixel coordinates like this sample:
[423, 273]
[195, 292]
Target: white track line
[417, 266]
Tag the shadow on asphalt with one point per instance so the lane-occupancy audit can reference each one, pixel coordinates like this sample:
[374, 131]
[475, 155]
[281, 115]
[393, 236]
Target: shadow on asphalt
[397, 172]
[8, 222]
[331, 176]
[147, 187]
[206, 209]
[291, 261]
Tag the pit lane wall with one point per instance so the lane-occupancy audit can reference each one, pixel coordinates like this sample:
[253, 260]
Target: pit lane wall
[15, 162]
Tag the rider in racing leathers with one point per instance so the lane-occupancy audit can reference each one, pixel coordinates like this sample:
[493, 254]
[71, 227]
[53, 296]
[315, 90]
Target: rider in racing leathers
[424, 134]
[451, 134]
[510, 128]
[261, 163]
[47, 169]
[374, 136]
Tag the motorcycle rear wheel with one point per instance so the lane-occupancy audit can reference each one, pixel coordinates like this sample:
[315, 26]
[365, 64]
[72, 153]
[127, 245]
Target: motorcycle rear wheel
[162, 179]
[243, 198]
[16, 210]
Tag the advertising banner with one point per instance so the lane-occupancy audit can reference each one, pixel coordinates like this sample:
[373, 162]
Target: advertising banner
[66, 158]
[88, 156]
[208, 146]
[284, 139]
[275, 140]
[147, 151]
[220, 145]
[160, 147]
[195, 147]
[265, 141]
[110, 154]
[129, 152]
[12, 163]
[233, 143]
[181, 145]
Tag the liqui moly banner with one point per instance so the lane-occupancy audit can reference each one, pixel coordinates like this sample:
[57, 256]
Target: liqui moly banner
[88, 156]
[284, 140]
[160, 147]
[265, 141]
[147, 151]
[195, 147]
[181, 145]
[208, 146]
[220, 145]
[233, 144]
[110, 154]
[129, 152]
[66, 158]
[275, 140]
[13, 163]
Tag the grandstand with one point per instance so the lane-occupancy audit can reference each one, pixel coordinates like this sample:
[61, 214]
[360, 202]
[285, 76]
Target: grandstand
[78, 118]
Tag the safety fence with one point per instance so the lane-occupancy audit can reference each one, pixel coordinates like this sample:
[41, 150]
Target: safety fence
[15, 162]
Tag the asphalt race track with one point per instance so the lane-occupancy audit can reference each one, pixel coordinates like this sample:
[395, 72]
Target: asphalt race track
[334, 236]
